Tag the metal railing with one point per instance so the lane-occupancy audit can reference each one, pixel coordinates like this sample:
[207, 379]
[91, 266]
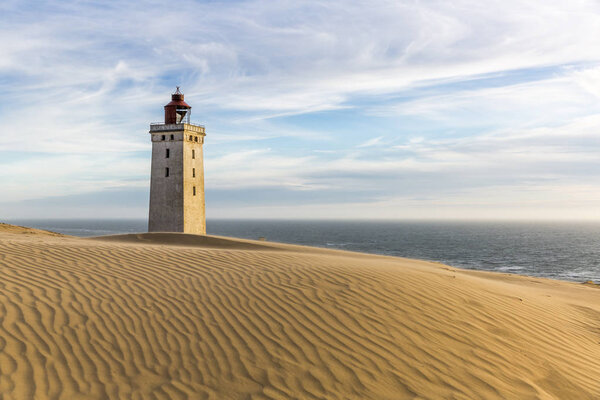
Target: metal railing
[181, 123]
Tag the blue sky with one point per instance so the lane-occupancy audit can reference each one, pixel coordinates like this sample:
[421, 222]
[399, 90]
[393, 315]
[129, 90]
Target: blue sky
[323, 109]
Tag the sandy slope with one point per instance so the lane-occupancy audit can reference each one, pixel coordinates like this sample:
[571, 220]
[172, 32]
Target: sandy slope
[7, 228]
[176, 316]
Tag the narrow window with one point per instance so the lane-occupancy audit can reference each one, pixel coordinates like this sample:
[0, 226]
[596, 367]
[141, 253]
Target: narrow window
[193, 154]
[172, 137]
[162, 137]
[195, 138]
[167, 154]
[191, 138]
[194, 190]
[166, 172]
[193, 172]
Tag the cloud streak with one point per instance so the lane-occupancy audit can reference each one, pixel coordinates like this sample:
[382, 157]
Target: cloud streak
[384, 100]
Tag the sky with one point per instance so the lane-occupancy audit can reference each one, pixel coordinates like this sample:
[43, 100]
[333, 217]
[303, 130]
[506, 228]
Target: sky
[337, 109]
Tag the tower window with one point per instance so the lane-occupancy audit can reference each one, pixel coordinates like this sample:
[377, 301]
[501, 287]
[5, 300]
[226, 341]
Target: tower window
[193, 172]
[195, 138]
[194, 190]
[191, 138]
[162, 137]
[172, 137]
[166, 172]
[193, 154]
[167, 153]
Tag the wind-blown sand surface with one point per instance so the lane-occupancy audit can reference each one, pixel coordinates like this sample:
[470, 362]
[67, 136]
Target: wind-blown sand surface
[173, 316]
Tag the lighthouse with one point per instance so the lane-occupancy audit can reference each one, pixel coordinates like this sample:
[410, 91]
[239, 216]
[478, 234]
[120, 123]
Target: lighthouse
[177, 172]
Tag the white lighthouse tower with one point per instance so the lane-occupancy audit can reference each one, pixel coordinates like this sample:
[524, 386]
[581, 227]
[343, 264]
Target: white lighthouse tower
[177, 178]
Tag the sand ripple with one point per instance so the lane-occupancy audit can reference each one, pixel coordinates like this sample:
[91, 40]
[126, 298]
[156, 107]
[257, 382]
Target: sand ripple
[174, 317]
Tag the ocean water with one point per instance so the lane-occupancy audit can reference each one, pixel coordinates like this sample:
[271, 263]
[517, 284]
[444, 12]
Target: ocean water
[567, 251]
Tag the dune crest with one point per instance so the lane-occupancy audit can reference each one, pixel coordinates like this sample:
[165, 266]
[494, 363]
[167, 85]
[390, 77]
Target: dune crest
[7, 228]
[170, 317]
[186, 239]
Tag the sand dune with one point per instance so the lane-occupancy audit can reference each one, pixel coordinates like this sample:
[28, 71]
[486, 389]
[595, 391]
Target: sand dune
[7, 228]
[183, 239]
[159, 316]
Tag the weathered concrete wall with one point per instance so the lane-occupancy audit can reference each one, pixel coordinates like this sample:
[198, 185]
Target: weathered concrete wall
[173, 205]
[194, 219]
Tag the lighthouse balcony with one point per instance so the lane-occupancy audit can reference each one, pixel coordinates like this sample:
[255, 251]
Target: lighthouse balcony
[162, 127]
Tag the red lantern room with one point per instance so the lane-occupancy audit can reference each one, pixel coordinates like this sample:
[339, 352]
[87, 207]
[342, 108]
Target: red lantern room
[177, 111]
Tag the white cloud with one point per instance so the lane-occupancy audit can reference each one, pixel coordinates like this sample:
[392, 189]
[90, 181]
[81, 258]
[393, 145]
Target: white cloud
[47, 176]
[293, 57]
[371, 142]
[538, 103]
[564, 202]
[81, 81]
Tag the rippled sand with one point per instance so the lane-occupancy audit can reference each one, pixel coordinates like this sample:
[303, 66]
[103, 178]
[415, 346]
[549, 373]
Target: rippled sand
[172, 316]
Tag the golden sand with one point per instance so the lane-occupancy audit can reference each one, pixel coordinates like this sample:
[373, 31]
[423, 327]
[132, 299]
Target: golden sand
[173, 316]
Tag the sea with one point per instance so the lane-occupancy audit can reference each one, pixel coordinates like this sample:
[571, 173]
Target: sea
[558, 250]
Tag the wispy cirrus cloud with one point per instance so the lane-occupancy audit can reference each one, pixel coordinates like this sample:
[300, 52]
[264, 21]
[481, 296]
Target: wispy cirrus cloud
[391, 99]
